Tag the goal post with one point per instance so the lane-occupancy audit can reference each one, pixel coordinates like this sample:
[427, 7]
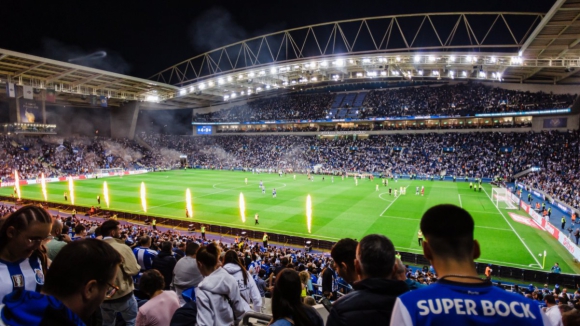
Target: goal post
[113, 171]
[501, 198]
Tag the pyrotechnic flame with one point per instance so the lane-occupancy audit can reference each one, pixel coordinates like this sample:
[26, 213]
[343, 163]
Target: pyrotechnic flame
[106, 193]
[17, 183]
[143, 197]
[71, 190]
[242, 208]
[43, 184]
[309, 213]
[188, 205]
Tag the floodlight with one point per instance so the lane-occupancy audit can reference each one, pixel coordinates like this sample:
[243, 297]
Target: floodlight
[324, 64]
[492, 59]
[398, 59]
[233, 95]
[420, 72]
[383, 73]
[359, 74]
[230, 78]
[273, 70]
[182, 92]
[202, 86]
[251, 75]
[314, 79]
[464, 74]
[366, 60]
[452, 58]
[431, 58]
[221, 81]
[339, 63]
[262, 72]
[417, 58]
[267, 86]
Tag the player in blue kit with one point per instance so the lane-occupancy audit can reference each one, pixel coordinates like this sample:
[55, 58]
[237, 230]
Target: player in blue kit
[274, 193]
[460, 296]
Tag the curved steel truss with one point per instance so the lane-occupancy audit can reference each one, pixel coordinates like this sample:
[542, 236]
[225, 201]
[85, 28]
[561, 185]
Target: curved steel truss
[433, 32]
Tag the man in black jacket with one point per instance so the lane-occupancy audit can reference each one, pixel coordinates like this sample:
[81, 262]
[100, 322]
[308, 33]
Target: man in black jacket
[374, 297]
[165, 262]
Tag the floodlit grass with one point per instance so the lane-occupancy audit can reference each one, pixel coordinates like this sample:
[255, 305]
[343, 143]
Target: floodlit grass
[340, 209]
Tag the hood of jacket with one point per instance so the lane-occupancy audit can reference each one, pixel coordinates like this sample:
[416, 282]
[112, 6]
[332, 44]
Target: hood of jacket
[23, 308]
[218, 282]
[232, 268]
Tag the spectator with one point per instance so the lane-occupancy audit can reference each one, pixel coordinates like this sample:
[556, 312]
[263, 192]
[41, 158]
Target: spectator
[375, 293]
[72, 292]
[556, 268]
[58, 241]
[248, 289]
[287, 306]
[165, 262]
[23, 263]
[218, 296]
[401, 276]
[571, 318]
[186, 274]
[144, 254]
[122, 301]
[552, 310]
[460, 296]
[161, 305]
[329, 283]
[344, 254]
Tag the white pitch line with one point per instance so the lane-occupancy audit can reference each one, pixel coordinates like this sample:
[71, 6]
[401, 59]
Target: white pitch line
[522, 240]
[460, 204]
[394, 200]
[415, 219]
[479, 260]
[490, 227]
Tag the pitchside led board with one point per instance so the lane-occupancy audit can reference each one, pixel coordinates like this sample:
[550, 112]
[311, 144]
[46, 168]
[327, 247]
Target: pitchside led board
[30, 111]
[204, 130]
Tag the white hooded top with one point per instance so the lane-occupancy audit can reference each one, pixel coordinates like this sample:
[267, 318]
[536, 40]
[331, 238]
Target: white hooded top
[248, 291]
[213, 297]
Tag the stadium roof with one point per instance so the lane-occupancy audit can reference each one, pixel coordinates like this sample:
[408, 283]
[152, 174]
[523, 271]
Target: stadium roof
[74, 83]
[487, 46]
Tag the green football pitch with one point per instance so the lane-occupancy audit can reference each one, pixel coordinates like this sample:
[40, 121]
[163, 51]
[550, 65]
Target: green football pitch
[340, 209]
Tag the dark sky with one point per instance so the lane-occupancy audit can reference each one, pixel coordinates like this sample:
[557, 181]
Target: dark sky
[142, 38]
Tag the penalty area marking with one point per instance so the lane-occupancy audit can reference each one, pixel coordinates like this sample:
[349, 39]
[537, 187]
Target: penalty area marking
[394, 200]
[506, 220]
[418, 219]
[381, 194]
[460, 204]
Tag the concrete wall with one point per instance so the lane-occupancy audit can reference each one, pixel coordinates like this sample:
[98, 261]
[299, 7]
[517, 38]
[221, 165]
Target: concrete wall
[124, 120]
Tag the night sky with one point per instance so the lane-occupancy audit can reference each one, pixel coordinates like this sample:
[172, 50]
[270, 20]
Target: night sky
[142, 38]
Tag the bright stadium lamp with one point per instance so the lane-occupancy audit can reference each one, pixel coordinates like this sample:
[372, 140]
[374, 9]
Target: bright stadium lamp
[233, 95]
[398, 59]
[202, 86]
[221, 81]
[267, 86]
[383, 73]
[191, 89]
[230, 78]
[324, 64]
[452, 58]
[469, 58]
[262, 72]
[251, 75]
[339, 63]
[432, 58]
[492, 59]
[464, 73]
[273, 70]
[420, 72]
[226, 97]
[417, 58]
[182, 92]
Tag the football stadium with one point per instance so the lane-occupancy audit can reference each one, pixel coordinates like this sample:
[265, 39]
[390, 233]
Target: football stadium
[346, 153]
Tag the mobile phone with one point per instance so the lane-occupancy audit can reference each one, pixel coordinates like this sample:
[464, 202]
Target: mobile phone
[326, 303]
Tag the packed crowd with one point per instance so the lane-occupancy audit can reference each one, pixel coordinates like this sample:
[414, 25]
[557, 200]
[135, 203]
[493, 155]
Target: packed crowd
[452, 100]
[121, 274]
[486, 155]
[459, 99]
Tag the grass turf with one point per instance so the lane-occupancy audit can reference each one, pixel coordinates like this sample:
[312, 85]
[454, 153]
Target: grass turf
[340, 209]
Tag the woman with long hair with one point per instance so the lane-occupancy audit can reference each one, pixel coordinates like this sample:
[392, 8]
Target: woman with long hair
[218, 296]
[287, 306]
[248, 289]
[22, 262]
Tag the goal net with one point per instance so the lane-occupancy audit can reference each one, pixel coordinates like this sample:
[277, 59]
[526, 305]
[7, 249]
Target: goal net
[114, 171]
[501, 198]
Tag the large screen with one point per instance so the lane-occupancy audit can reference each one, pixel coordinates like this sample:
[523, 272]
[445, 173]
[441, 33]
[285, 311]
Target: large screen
[204, 130]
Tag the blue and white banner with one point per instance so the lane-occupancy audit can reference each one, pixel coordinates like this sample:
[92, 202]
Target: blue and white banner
[28, 92]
